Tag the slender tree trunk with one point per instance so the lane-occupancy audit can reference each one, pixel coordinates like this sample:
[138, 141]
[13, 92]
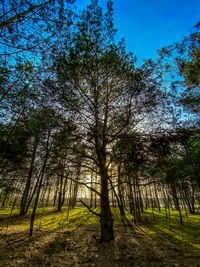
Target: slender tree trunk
[176, 200]
[75, 191]
[152, 204]
[40, 184]
[131, 198]
[48, 196]
[164, 200]
[4, 199]
[95, 194]
[157, 199]
[33, 193]
[120, 204]
[56, 192]
[64, 191]
[146, 199]
[43, 194]
[69, 198]
[13, 206]
[91, 194]
[60, 192]
[24, 199]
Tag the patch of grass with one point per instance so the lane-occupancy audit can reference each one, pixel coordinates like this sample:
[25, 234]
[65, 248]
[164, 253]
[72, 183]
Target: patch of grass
[186, 234]
[6, 211]
[152, 242]
[49, 219]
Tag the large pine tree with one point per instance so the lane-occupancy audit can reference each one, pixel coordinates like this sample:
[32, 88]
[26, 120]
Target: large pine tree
[98, 83]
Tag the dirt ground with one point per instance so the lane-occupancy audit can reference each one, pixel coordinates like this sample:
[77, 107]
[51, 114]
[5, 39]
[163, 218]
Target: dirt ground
[78, 247]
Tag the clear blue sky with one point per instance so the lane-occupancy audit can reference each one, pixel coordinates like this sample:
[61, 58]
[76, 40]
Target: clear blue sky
[148, 25]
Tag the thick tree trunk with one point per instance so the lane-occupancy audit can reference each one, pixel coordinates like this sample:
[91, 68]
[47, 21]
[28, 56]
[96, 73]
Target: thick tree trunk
[106, 221]
[106, 215]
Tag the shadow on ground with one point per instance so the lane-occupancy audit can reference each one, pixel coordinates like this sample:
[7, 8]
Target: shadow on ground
[75, 245]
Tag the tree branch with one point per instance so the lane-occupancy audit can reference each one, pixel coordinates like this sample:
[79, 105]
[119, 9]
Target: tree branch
[21, 15]
[97, 214]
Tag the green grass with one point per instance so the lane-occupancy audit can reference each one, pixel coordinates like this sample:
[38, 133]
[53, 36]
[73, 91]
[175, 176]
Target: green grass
[188, 233]
[154, 240]
[49, 219]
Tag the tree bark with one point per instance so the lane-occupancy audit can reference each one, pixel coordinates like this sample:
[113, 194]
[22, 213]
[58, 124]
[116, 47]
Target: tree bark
[106, 221]
[24, 199]
[40, 184]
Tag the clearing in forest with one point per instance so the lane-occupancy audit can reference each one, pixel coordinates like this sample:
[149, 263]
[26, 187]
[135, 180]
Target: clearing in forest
[74, 242]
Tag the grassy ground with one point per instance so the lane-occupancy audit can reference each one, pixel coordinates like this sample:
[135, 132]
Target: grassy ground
[60, 242]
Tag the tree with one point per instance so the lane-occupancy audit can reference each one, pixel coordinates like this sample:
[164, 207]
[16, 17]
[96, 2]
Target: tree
[98, 83]
[20, 20]
[180, 63]
[190, 70]
[22, 48]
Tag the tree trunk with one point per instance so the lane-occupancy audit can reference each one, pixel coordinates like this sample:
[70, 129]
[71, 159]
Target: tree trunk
[120, 204]
[4, 199]
[157, 199]
[106, 220]
[48, 196]
[60, 192]
[95, 194]
[40, 184]
[24, 199]
[56, 192]
[64, 192]
[91, 193]
[176, 201]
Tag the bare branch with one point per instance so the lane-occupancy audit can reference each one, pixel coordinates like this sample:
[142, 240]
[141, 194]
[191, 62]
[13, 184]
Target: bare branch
[97, 214]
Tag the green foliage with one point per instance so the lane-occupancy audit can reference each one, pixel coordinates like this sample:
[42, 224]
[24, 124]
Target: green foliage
[190, 69]
[13, 145]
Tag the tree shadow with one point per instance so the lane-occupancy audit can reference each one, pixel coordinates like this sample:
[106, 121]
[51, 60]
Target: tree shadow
[17, 219]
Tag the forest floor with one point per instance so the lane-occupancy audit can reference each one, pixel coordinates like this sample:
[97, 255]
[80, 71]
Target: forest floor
[60, 242]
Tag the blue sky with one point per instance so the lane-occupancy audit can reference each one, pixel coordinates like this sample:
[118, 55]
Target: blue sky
[148, 25]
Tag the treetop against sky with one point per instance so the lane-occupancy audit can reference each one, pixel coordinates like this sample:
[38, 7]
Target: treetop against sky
[148, 25]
